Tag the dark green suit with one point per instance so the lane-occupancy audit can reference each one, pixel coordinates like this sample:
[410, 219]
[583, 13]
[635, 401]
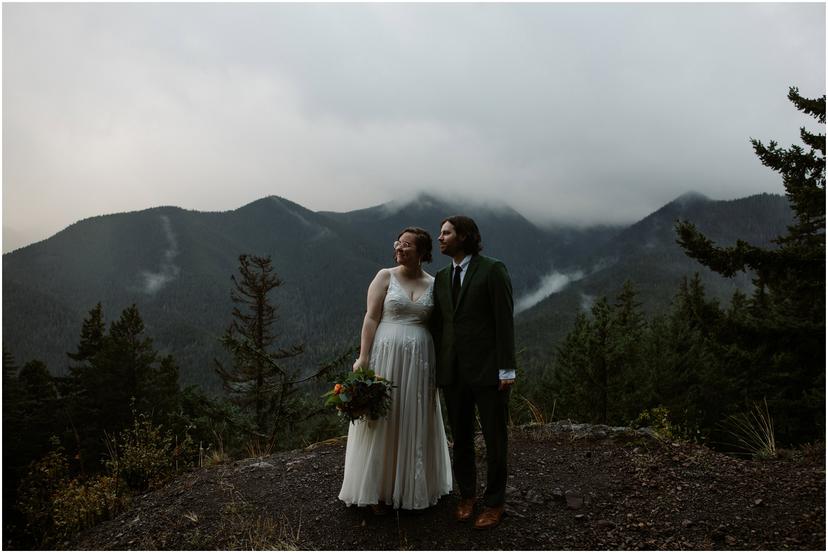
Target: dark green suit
[474, 342]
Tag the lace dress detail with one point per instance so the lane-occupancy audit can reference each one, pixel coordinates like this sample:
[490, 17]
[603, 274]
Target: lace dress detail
[401, 460]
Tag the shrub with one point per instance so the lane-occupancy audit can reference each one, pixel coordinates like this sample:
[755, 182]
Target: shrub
[37, 488]
[80, 505]
[658, 419]
[814, 451]
[143, 456]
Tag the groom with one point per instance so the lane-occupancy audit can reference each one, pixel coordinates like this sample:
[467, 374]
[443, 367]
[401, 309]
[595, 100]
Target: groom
[474, 336]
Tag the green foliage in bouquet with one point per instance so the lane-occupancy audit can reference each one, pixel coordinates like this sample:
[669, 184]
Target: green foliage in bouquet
[360, 394]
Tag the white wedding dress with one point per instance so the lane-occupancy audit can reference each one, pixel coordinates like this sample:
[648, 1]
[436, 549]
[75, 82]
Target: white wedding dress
[402, 459]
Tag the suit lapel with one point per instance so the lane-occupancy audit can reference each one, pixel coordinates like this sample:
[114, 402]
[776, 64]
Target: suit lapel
[445, 285]
[473, 263]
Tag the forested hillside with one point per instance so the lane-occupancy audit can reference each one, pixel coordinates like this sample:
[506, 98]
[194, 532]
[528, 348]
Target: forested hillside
[647, 255]
[175, 265]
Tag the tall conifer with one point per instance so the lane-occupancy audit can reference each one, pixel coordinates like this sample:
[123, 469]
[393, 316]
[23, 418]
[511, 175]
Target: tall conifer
[257, 380]
[785, 330]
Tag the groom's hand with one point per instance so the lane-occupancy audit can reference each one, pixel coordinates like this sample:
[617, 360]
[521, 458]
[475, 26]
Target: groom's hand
[505, 384]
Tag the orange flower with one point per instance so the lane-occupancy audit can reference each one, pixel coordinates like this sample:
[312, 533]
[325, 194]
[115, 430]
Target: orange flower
[337, 389]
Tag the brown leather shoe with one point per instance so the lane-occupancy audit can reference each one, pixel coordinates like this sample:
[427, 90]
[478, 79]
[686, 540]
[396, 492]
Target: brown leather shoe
[489, 518]
[465, 509]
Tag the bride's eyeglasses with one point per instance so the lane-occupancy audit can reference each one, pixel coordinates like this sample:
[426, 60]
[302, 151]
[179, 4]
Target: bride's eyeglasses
[399, 244]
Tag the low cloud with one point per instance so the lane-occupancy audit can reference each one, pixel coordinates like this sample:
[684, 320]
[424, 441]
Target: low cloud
[551, 283]
[153, 282]
[341, 107]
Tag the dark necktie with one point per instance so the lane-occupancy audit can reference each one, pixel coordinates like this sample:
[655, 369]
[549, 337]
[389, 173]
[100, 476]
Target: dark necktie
[455, 285]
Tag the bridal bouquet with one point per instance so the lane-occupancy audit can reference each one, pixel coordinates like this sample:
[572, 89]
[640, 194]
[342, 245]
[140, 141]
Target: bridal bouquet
[360, 394]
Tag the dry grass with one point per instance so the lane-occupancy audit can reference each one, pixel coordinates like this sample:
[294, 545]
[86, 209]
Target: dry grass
[753, 431]
[535, 411]
[215, 457]
[260, 447]
[244, 528]
[265, 533]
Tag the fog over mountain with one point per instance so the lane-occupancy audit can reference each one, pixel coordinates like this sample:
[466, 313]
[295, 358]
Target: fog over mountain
[580, 114]
[154, 281]
[549, 284]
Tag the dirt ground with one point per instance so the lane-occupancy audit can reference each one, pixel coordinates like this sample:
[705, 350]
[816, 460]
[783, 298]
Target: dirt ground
[565, 492]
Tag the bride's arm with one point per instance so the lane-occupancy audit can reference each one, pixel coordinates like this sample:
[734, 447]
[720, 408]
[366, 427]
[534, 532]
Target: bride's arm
[373, 315]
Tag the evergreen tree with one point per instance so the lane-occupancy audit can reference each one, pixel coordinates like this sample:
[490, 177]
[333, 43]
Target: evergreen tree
[92, 336]
[600, 359]
[80, 388]
[10, 370]
[257, 380]
[629, 335]
[13, 436]
[570, 385]
[30, 420]
[117, 374]
[12, 408]
[161, 387]
[597, 375]
[38, 403]
[128, 357]
[783, 331]
[687, 373]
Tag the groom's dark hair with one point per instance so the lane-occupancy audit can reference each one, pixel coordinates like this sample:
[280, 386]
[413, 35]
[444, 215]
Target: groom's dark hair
[467, 228]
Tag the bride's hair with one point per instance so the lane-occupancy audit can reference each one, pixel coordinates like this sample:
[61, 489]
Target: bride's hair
[422, 241]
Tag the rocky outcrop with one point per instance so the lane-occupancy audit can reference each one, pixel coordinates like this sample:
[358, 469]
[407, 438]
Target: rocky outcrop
[571, 486]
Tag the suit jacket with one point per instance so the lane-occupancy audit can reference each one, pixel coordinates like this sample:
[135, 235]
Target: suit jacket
[475, 340]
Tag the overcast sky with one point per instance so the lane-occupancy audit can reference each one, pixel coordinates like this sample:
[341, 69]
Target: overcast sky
[583, 114]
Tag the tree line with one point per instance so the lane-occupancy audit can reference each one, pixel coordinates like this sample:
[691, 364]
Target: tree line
[77, 447]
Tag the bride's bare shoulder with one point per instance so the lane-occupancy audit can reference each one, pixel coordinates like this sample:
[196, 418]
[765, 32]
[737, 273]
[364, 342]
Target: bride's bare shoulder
[383, 277]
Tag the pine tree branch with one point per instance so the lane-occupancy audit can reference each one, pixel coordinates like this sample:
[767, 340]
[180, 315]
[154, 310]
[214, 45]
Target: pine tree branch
[814, 107]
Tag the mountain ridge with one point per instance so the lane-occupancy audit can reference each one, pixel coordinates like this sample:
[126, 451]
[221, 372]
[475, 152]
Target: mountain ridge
[175, 264]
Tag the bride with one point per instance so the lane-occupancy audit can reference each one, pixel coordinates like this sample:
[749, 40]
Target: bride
[401, 460]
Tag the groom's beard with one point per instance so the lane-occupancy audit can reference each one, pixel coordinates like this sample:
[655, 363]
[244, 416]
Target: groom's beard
[450, 251]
